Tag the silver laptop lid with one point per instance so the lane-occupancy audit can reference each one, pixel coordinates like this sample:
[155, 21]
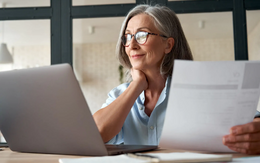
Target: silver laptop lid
[43, 110]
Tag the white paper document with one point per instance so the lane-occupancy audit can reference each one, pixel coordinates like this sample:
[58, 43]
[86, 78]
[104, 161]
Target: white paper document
[247, 160]
[104, 159]
[161, 158]
[207, 99]
[188, 157]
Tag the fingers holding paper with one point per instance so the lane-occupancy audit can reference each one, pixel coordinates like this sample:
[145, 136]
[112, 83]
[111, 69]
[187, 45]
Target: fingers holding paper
[244, 138]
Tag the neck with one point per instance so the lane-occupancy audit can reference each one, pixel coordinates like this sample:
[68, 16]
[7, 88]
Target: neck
[156, 82]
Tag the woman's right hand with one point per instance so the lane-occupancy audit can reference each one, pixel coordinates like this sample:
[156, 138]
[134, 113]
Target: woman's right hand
[139, 77]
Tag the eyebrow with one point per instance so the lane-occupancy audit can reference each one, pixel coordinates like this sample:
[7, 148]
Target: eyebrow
[139, 29]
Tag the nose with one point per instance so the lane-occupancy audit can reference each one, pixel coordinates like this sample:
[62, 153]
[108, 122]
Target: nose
[133, 43]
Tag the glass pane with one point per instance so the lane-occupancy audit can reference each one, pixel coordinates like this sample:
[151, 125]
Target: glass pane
[95, 63]
[253, 32]
[210, 35]
[24, 3]
[100, 2]
[28, 43]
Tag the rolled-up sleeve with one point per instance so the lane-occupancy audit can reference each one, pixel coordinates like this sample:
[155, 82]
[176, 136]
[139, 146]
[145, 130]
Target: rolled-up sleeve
[257, 115]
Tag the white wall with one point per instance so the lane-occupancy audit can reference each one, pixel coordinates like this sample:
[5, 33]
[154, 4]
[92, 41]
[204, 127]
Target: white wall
[98, 73]
[31, 56]
[212, 49]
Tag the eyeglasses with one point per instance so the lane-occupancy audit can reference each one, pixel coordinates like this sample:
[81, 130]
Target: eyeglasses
[140, 38]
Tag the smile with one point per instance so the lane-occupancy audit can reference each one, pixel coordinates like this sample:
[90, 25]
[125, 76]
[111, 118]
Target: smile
[136, 56]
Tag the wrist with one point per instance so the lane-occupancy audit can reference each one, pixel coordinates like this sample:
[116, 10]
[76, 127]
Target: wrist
[140, 86]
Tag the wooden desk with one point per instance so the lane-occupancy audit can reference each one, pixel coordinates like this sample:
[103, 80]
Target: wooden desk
[8, 156]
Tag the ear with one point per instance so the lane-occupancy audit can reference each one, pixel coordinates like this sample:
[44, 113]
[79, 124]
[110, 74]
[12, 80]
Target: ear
[169, 45]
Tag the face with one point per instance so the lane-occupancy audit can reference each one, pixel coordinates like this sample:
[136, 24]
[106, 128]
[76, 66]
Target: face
[146, 57]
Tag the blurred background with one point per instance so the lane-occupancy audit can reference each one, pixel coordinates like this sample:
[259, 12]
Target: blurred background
[210, 36]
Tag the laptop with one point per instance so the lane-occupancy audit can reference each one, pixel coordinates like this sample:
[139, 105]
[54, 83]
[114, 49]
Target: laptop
[43, 110]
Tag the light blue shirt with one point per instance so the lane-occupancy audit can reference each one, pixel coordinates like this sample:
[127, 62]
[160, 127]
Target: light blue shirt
[138, 128]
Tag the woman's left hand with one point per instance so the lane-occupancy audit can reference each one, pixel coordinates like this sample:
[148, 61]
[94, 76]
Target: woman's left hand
[244, 138]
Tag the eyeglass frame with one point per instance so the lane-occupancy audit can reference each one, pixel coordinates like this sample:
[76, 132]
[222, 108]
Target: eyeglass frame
[134, 35]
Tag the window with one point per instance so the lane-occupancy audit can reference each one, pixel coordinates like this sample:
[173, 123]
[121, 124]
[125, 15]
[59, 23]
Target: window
[210, 35]
[28, 41]
[94, 59]
[24, 3]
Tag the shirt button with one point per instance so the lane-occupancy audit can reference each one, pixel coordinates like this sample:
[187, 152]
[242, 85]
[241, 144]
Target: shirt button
[143, 98]
[151, 127]
[140, 108]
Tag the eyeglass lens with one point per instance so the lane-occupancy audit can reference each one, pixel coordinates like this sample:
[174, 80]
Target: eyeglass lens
[140, 37]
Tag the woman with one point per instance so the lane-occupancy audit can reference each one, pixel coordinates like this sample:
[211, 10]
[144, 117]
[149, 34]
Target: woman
[151, 38]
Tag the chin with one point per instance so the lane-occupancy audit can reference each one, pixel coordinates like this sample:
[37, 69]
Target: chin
[137, 67]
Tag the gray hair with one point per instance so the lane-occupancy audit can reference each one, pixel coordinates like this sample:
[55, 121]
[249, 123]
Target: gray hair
[168, 24]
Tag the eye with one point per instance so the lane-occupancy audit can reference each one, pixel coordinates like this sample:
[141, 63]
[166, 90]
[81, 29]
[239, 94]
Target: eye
[141, 34]
[128, 36]
[141, 37]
